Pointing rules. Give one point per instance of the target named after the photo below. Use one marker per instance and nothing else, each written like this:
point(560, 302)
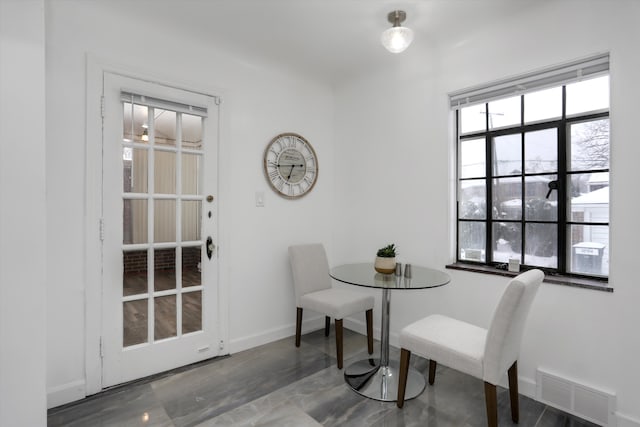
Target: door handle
point(210, 247)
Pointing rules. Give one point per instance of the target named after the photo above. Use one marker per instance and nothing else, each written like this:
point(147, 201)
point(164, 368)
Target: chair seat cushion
point(454, 343)
point(336, 303)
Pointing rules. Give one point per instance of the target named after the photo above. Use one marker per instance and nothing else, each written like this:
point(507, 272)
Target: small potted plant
point(386, 259)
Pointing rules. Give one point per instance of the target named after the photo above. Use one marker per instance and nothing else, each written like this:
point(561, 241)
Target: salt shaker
point(398, 269)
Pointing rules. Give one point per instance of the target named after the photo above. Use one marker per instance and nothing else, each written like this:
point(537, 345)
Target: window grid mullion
point(563, 230)
point(522, 231)
point(488, 147)
point(522, 194)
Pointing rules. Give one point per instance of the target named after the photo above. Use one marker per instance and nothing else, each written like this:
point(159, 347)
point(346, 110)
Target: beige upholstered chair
point(313, 291)
point(482, 353)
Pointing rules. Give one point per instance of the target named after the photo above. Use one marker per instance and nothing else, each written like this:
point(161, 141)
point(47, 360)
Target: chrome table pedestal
point(378, 378)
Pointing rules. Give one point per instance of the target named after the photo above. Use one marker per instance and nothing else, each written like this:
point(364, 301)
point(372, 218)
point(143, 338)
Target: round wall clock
point(290, 165)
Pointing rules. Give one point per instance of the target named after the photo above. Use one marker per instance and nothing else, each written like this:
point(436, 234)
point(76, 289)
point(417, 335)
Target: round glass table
point(378, 378)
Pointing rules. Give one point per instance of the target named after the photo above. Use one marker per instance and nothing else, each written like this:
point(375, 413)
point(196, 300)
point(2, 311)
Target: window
point(533, 174)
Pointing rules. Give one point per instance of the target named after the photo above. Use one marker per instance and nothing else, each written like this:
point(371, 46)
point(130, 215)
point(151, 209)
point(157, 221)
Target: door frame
point(95, 69)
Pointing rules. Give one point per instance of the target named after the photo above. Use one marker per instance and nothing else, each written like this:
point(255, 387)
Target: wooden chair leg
point(339, 342)
point(327, 325)
point(491, 399)
point(432, 371)
point(369, 315)
point(513, 392)
point(298, 325)
point(405, 356)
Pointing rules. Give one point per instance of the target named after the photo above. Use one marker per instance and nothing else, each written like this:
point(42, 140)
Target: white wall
point(396, 124)
point(22, 214)
point(259, 103)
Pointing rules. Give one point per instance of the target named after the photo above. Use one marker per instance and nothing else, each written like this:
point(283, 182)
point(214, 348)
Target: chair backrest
point(310, 269)
point(505, 332)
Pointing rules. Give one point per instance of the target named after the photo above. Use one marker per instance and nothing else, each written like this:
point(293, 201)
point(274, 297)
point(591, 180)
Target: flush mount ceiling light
point(397, 38)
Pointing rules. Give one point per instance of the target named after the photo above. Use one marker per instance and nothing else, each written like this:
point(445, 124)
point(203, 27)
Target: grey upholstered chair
point(482, 353)
point(313, 291)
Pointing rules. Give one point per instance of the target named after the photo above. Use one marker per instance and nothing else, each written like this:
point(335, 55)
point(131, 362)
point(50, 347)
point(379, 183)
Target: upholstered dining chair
point(313, 291)
point(482, 353)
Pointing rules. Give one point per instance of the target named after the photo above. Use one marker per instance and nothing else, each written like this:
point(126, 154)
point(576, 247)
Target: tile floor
point(280, 385)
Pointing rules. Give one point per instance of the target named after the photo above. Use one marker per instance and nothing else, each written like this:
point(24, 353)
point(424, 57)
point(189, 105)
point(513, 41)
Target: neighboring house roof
point(598, 178)
point(595, 197)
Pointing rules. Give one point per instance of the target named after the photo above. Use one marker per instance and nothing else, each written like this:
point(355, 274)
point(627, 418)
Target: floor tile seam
point(290, 400)
point(539, 420)
point(160, 403)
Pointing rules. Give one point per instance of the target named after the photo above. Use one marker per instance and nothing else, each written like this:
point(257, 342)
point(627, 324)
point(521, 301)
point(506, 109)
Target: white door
point(159, 210)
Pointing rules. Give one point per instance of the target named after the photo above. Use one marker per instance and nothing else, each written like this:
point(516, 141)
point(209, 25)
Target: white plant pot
point(385, 265)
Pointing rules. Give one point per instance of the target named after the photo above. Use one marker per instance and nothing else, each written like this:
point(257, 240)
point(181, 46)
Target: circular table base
point(368, 378)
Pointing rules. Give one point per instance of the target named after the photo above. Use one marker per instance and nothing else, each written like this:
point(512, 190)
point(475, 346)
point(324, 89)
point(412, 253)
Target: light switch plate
point(260, 199)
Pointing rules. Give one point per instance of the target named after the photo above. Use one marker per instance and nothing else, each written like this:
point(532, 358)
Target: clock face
point(290, 165)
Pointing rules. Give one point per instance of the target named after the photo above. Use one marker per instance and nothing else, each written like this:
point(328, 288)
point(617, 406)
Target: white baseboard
point(251, 341)
point(626, 421)
point(360, 327)
point(65, 393)
point(526, 387)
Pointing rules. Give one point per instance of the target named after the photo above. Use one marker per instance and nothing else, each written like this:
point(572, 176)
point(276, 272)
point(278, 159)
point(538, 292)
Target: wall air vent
point(591, 404)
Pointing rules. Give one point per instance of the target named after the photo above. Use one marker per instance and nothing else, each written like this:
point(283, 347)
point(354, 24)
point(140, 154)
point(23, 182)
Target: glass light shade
point(397, 39)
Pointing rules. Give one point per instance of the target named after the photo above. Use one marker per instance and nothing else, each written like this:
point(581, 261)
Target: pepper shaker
point(407, 271)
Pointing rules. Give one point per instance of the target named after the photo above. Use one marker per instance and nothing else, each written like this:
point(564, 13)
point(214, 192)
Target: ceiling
point(330, 40)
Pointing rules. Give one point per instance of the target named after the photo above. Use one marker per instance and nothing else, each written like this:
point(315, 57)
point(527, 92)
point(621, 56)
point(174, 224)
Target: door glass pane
point(473, 119)
point(191, 132)
point(541, 151)
point(164, 262)
point(165, 317)
point(589, 145)
point(543, 105)
point(135, 123)
point(507, 241)
point(540, 245)
point(589, 197)
point(134, 322)
point(589, 249)
point(191, 312)
point(472, 158)
point(504, 112)
point(191, 220)
point(471, 242)
point(134, 221)
point(588, 95)
point(473, 199)
point(507, 155)
point(164, 221)
point(191, 266)
point(135, 171)
point(507, 198)
point(134, 272)
point(191, 173)
point(539, 207)
point(165, 172)
point(164, 126)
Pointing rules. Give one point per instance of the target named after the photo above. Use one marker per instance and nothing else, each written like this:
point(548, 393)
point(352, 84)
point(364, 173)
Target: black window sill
point(556, 279)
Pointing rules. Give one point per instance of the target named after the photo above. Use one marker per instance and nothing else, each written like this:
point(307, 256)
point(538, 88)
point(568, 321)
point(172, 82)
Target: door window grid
point(174, 278)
